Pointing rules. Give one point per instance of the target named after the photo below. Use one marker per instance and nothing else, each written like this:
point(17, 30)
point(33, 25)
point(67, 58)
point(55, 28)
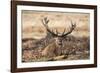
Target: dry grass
point(75, 49)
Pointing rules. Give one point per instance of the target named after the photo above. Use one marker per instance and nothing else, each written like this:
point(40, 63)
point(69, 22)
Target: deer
point(54, 48)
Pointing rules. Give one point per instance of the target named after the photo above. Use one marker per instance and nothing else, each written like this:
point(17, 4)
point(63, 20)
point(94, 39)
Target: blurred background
point(33, 27)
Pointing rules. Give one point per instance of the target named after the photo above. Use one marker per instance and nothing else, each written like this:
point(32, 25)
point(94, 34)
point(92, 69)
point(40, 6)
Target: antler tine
point(64, 31)
point(45, 22)
point(57, 32)
point(73, 25)
point(71, 29)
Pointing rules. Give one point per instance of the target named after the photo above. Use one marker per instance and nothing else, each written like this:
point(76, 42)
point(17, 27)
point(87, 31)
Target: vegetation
point(75, 48)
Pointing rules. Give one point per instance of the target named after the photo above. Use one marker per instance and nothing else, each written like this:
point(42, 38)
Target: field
point(74, 49)
point(35, 37)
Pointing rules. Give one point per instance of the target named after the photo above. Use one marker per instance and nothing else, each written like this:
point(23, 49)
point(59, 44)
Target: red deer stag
point(54, 49)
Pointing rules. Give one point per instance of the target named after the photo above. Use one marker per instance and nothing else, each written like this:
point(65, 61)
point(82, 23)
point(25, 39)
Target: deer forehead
point(58, 38)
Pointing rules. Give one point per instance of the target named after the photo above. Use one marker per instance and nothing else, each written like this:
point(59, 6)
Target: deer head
point(58, 37)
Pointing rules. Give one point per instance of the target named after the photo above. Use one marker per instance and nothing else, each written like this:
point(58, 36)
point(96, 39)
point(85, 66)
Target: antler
point(45, 23)
point(73, 25)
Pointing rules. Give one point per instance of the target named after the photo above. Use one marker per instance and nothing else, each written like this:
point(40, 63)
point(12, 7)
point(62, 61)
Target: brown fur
point(51, 50)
